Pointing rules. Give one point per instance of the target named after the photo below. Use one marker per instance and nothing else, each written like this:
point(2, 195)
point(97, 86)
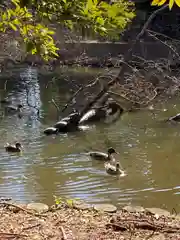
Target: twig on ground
point(122, 225)
point(153, 231)
point(30, 227)
point(64, 237)
point(22, 209)
point(13, 234)
point(132, 230)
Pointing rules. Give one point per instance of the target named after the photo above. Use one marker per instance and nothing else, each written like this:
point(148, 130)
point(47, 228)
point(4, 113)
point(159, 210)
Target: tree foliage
point(32, 18)
point(161, 2)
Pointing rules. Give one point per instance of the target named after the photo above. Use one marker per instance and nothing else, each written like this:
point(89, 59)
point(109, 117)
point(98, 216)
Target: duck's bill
point(117, 152)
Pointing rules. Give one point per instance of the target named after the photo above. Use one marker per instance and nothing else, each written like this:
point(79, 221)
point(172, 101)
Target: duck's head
point(111, 151)
point(74, 118)
point(114, 106)
point(20, 106)
point(18, 145)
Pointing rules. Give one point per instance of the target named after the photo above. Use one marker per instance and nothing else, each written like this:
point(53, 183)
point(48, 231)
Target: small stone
point(38, 207)
point(36, 237)
point(158, 237)
point(158, 211)
point(177, 216)
point(133, 209)
point(105, 208)
point(81, 205)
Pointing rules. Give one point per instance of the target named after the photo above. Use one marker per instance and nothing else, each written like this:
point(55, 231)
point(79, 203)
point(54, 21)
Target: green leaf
point(4, 16)
point(13, 26)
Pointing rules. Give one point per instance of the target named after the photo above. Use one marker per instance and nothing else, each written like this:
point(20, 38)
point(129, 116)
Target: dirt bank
point(18, 222)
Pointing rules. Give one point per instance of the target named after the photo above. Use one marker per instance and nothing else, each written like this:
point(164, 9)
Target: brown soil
point(68, 224)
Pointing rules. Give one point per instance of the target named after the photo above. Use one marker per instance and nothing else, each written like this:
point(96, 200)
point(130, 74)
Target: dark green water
point(55, 165)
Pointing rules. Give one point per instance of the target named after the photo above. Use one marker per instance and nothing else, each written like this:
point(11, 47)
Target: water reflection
point(56, 165)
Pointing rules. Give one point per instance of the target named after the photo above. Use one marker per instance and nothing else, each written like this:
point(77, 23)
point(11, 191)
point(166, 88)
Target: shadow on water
point(56, 165)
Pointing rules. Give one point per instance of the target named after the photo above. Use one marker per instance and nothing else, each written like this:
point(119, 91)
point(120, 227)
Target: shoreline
point(78, 220)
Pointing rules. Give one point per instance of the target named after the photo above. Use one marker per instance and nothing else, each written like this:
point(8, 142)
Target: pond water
point(56, 165)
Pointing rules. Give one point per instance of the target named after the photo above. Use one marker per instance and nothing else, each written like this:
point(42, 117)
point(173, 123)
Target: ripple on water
point(54, 164)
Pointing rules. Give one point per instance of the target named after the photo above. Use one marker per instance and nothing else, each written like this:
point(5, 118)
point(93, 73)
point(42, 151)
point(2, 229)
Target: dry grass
point(68, 223)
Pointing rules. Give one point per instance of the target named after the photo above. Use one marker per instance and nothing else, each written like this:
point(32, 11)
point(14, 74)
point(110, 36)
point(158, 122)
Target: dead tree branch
point(165, 44)
point(6, 204)
point(130, 51)
point(120, 76)
point(55, 104)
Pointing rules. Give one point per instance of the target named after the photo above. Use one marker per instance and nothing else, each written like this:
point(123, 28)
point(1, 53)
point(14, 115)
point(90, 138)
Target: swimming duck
point(13, 148)
point(114, 169)
point(92, 115)
point(113, 112)
point(109, 113)
point(14, 109)
point(72, 117)
point(61, 126)
point(50, 130)
point(5, 101)
point(103, 156)
point(175, 118)
point(71, 123)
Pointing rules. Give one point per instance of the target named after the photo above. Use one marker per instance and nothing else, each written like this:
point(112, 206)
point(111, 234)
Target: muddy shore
point(81, 221)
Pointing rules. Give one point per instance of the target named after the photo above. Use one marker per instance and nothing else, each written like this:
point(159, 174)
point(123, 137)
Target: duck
point(114, 169)
point(73, 117)
point(5, 101)
point(68, 124)
point(51, 130)
point(14, 109)
point(175, 118)
point(62, 126)
point(13, 148)
point(113, 111)
point(108, 113)
point(103, 156)
point(92, 115)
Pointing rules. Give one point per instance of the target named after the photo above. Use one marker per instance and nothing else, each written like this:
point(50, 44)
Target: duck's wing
point(7, 145)
point(109, 167)
point(112, 117)
point(10, 148)
point(98, 155)
point(175, 118)
point(88, 115)
point(11, 107)
point(60, 124)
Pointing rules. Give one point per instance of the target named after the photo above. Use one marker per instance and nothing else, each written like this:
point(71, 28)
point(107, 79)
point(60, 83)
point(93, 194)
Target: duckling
point(13, 148)
point(103, 156)
point(14, 109)
point(114, 170)
point(51, 130)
